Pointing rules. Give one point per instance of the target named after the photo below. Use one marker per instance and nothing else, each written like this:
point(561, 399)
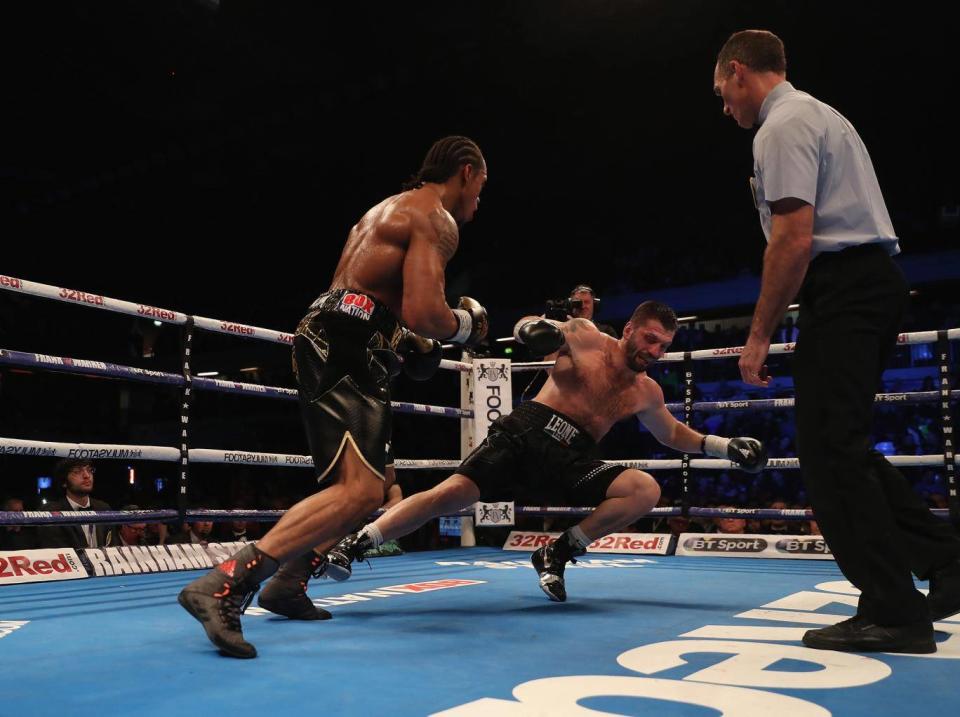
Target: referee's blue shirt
point(807, 150)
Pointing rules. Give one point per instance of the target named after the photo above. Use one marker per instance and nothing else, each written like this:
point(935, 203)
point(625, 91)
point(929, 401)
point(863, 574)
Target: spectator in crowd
point(17, 537)
point(237, 531)
point(76, 477)
point(779, 526)
point(198, 532)
point(730, 525)
point(128, 533)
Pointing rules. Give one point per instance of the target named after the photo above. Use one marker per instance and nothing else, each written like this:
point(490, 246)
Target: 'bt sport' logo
point(710, 544)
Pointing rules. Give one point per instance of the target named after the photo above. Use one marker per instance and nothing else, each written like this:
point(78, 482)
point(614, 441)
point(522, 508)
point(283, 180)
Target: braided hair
point(444, 159)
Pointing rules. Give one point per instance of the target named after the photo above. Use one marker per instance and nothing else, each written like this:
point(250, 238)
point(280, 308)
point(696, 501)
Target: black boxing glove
point(541, 336)
point(389, 360)
point(749, 453)
point(421, 356)
point(472, 322)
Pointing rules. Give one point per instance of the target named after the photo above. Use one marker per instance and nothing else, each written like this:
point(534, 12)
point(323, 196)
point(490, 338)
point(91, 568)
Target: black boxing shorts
point(343, 358)
point(539, 449)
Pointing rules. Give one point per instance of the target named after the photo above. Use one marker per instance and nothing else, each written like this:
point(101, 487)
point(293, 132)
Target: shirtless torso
point(593, 380)
point(397, 253)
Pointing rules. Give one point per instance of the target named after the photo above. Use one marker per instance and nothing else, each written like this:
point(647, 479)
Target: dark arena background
point(178, 168)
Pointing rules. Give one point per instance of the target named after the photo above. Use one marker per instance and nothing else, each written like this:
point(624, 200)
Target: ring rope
point(905, 339)
point(107, 451)
point(768, 403)
point(40, 517)
point(72, 296)
point(100, 368)
point(168, 316)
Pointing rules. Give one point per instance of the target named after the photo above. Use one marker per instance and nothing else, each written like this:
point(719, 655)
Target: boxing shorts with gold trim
point(344, 357)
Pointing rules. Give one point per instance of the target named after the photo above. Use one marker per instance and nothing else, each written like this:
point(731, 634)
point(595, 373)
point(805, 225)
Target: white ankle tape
point(373, 534)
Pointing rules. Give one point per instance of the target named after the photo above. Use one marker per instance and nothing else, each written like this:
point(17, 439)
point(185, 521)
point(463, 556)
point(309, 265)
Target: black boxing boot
point(345, 552)
point(550, 561)
point(286, 593)
point(218, 598)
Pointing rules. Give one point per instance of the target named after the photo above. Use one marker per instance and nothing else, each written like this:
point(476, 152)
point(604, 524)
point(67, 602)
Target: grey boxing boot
point(286, 593)
point(218, 598)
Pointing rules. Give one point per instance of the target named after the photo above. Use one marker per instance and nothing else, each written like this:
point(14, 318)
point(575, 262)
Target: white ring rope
point(96, 301)
point(72, 296)
point(456, 365)
point(906, 339)
point(110, 451)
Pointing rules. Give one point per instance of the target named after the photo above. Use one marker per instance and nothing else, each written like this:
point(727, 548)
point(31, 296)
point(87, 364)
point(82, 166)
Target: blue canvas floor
point(122, 645)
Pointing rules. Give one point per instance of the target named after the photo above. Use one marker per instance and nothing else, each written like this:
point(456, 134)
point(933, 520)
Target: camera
point(560, 309)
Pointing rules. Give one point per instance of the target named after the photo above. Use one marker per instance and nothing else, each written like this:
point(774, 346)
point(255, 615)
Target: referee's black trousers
point(851, 307)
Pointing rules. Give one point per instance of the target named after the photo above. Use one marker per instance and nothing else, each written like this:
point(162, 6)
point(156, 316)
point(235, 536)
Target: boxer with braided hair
point(388, 284)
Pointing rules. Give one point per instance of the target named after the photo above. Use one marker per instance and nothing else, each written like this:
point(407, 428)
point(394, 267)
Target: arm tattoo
point(447, 236)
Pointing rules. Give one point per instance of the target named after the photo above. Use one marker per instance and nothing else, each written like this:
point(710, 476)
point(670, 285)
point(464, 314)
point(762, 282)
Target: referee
point(830, 239)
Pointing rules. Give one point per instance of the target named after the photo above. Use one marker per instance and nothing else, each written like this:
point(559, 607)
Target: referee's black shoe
point(944, 597)
point(860, 634)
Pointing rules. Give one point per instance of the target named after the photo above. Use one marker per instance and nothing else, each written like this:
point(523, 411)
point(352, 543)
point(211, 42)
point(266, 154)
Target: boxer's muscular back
point(374, 256)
